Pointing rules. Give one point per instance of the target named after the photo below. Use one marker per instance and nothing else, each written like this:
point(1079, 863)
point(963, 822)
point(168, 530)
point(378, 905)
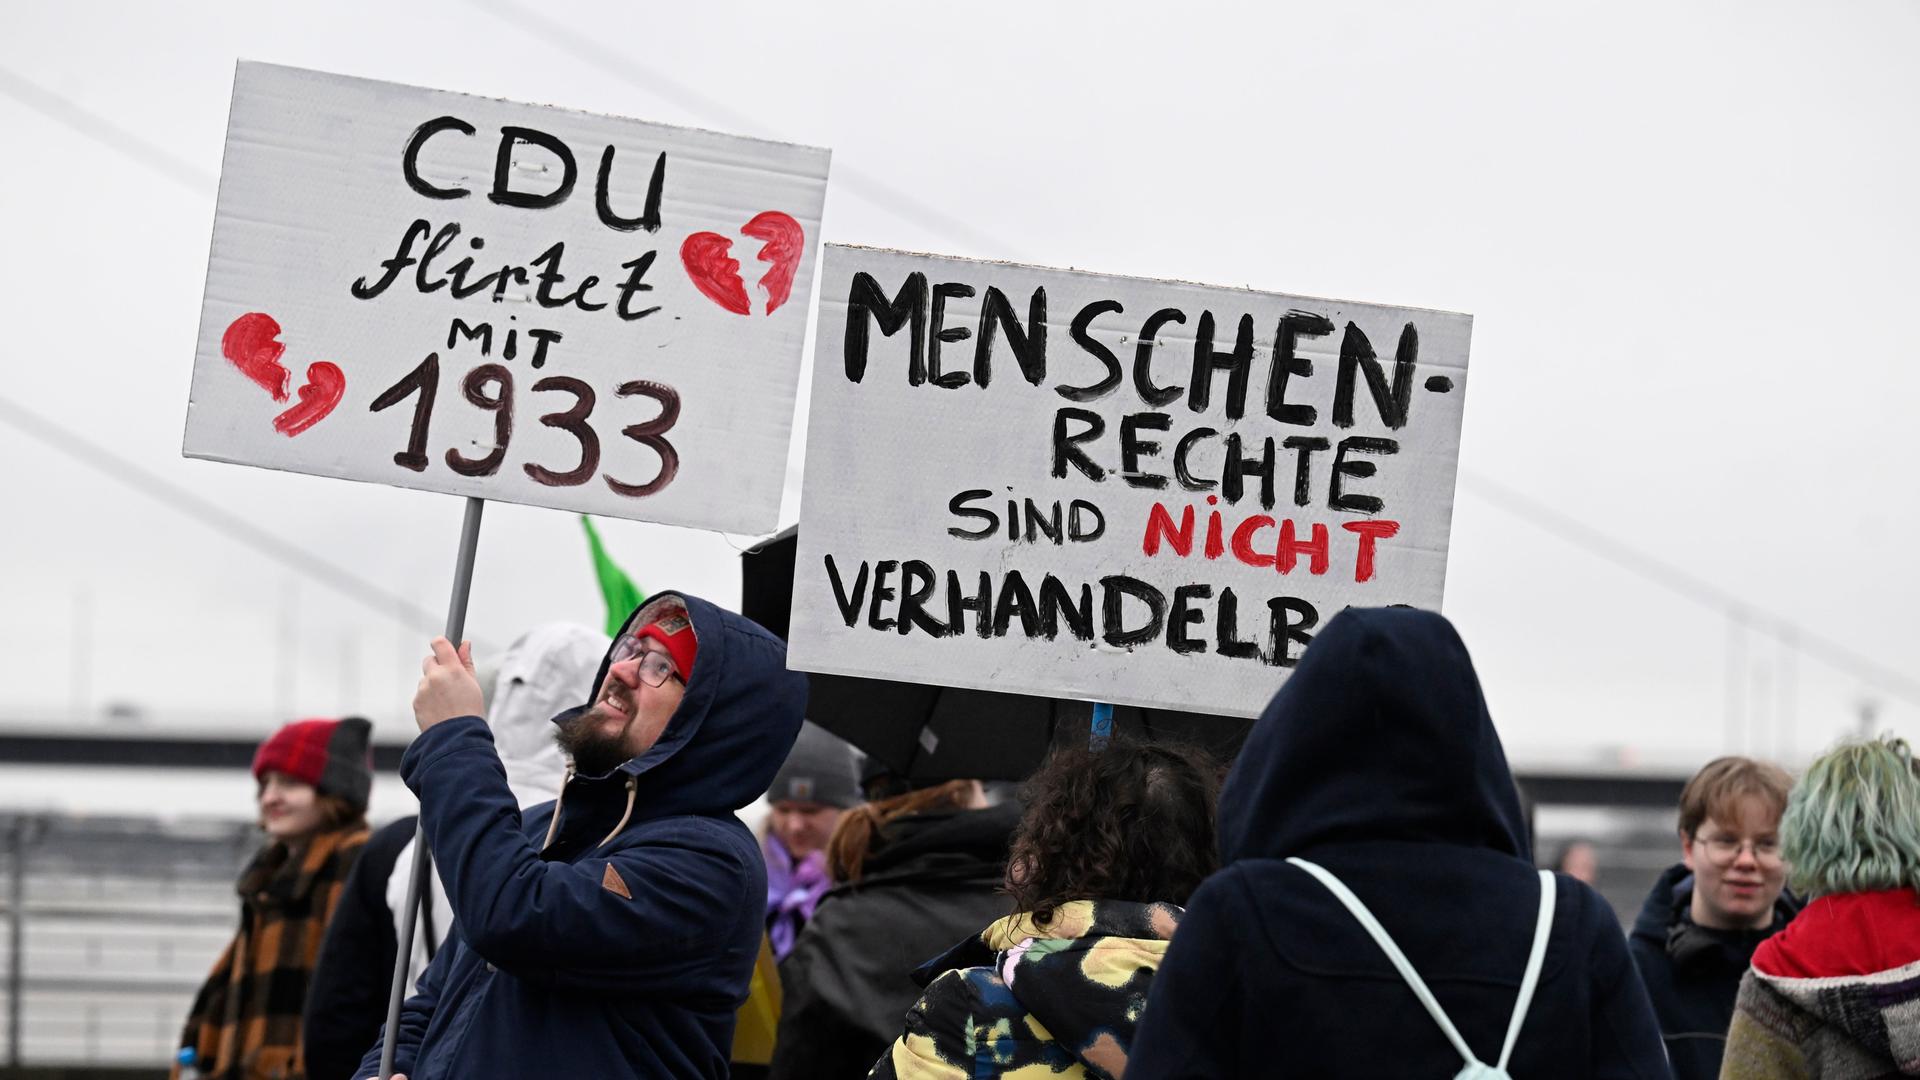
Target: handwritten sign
point(1140, 492)
point(525, 303)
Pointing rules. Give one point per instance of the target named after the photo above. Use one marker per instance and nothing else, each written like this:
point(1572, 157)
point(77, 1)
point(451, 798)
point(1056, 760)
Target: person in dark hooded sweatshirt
point(1377, 764)
point(611, 932)
point(1705, 916)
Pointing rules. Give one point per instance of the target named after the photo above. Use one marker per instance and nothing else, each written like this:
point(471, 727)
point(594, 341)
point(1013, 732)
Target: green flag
point(619, 591)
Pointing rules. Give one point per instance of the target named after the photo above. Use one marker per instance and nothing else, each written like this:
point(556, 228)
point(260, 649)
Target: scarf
point(794, 889)
point(245, 1021)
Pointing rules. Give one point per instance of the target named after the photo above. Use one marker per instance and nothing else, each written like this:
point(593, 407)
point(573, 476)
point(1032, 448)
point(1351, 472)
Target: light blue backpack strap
point(1418, 985)
point(1542, 928)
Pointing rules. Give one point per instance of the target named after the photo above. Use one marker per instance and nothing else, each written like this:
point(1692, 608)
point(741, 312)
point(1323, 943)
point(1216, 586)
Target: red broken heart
point(251, 342)
point(714, 271)
point(326, 385)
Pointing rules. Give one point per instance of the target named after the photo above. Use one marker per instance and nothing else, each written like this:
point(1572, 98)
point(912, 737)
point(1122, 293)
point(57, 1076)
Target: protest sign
point(502, 300)
point(1140, 492)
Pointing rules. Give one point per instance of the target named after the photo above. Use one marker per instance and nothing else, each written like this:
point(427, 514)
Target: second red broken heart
point(707, 257)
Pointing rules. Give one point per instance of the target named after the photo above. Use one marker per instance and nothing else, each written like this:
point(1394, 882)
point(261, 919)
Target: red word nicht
point(1250, 542)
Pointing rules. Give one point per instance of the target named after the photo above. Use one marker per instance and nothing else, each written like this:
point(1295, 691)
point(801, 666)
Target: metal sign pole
point(422, 859)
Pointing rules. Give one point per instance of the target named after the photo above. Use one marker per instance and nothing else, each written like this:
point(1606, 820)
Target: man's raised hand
point(448, 687)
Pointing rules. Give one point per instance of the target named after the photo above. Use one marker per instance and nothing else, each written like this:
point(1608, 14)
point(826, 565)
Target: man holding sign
point(514, 302)
point(612, 932)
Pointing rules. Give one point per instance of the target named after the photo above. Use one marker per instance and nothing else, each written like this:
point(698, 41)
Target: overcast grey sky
point(1685, 233)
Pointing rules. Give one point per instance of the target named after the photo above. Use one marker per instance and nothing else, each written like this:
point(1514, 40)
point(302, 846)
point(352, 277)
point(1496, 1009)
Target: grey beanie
point(819, 770)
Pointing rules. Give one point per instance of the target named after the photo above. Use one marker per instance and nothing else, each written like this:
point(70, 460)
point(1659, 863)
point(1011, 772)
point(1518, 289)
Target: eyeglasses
point(1725, 851)
point(656, 667)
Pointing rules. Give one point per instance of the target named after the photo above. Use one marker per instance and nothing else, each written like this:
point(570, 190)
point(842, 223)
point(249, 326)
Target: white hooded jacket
point(548, 671)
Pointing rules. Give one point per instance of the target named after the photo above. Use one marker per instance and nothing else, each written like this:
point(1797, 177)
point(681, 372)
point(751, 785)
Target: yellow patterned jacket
point(1029, 999)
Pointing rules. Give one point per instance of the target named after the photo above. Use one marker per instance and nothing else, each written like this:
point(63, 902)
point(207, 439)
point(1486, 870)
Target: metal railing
point(110, 927)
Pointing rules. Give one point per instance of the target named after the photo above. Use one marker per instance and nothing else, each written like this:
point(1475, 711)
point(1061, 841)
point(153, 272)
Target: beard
point(594, 752)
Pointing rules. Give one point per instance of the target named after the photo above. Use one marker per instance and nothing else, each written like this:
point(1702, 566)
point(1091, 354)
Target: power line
point(877, 191)
point(1694, 588)
point(151, 484)
point(880, 192)
point(117, 139)
point(112, 136)
point(850, 179)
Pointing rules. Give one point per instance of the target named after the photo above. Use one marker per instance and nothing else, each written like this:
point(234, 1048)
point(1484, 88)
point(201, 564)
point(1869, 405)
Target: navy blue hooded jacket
point(597, 954)
point(1378, 761)
point(1692, 973)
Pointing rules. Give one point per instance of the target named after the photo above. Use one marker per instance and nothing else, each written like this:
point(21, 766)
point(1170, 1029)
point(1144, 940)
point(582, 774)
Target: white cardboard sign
point(525, 303)
point(1140, 492)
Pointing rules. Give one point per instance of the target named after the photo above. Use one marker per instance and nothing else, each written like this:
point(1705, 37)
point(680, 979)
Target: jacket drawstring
point(553, 826)
point(632, 786)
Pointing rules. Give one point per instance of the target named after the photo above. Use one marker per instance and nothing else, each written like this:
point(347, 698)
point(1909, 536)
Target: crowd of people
point(1356, 895)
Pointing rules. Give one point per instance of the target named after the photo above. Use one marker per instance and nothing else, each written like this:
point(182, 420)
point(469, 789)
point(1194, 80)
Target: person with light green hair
point(1836, 995)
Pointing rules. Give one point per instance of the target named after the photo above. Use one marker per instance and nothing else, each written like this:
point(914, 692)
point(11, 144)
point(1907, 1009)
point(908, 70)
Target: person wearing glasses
point(613, 931)
point(545, 670)
point(1700, 924)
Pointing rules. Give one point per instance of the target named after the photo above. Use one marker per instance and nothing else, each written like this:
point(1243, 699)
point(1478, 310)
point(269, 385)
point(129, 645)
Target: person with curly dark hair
point(1113, 841)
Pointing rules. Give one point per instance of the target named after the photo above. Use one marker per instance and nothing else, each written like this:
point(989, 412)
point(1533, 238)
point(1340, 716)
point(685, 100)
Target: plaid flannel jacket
point(245, 1022)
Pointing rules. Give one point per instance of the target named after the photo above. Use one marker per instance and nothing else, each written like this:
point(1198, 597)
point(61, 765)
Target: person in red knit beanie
point(614, 930)
point(314, 777)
